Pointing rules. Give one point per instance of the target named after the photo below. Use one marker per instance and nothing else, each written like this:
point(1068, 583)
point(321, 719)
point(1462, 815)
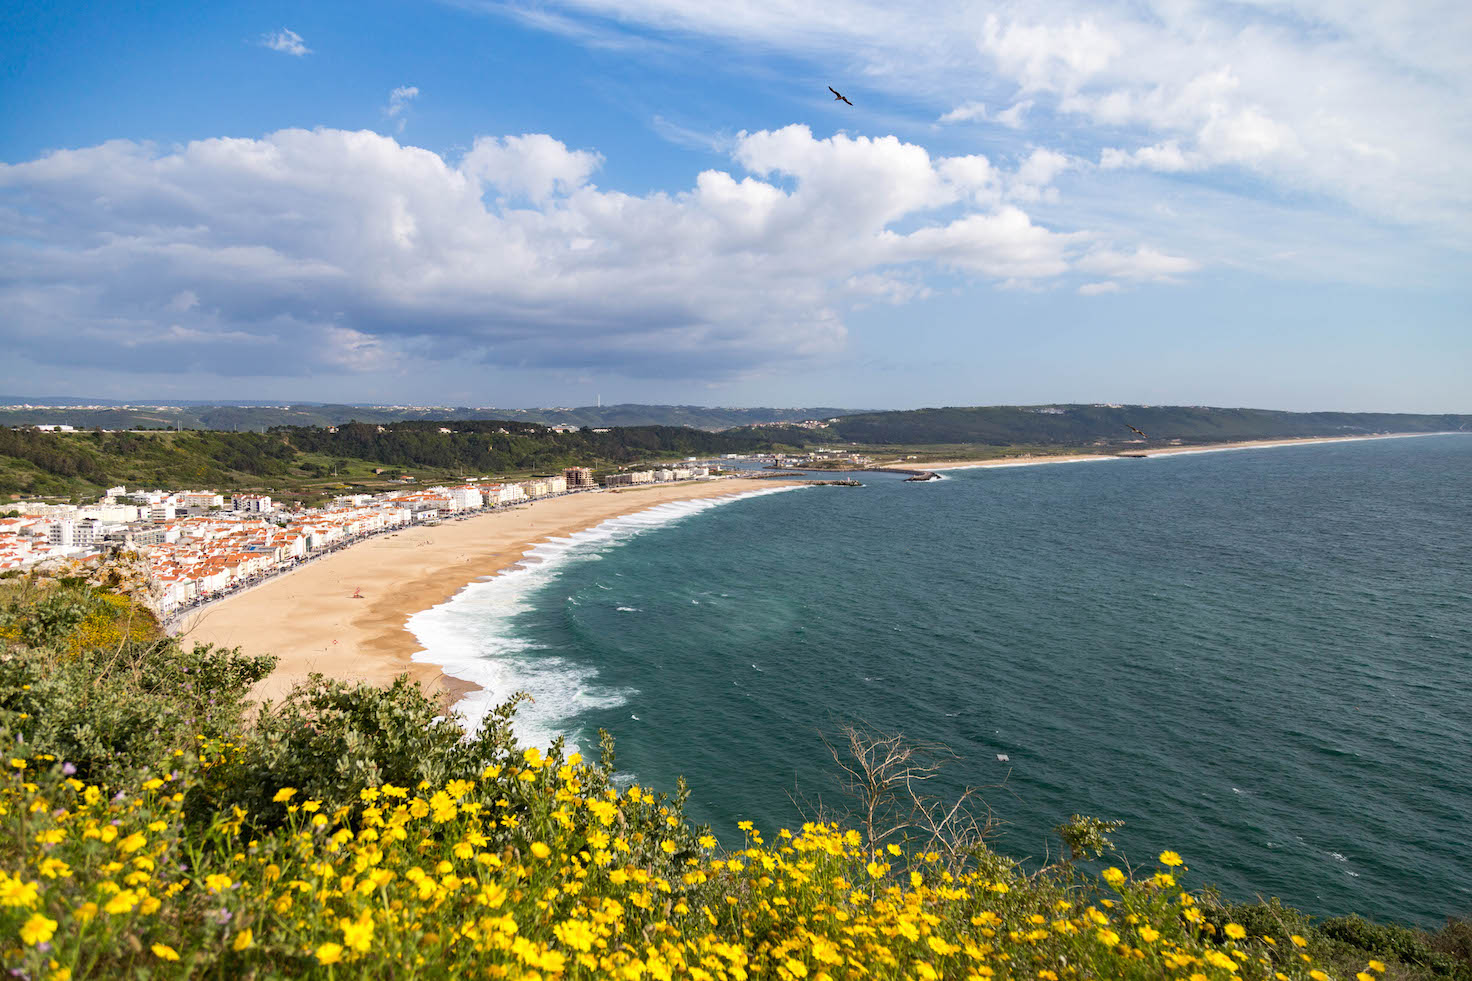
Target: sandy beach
point(310, 620)
point(1145, 449)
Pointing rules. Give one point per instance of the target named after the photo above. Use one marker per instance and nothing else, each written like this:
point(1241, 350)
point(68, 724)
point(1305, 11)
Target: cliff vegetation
point(151, 826)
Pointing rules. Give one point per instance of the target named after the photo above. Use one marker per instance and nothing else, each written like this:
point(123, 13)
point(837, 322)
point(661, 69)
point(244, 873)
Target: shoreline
point(309, 620)
point(1148, 452)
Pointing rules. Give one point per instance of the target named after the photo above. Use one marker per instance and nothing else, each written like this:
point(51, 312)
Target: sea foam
point(472, 636)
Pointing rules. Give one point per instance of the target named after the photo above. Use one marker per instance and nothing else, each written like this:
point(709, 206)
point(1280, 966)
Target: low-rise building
point(466, 497)
point(200, 499)
point(253, 503)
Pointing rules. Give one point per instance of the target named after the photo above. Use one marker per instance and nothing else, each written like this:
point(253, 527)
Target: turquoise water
point(1256, 658)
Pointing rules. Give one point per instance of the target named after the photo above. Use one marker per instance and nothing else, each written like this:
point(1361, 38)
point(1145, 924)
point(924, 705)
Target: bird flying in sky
point(1137, 431)
point(837, 95)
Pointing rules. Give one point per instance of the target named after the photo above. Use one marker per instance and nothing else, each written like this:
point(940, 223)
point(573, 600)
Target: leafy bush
point(86, 676)
point(330, 739)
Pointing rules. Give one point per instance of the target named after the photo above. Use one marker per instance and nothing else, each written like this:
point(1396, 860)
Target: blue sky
point(657, 200)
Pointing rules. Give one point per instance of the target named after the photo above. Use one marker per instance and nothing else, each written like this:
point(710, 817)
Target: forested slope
point(293, 457)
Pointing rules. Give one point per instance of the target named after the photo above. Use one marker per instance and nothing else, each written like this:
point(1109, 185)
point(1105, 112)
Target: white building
point(254, 503)
point(466, 497)
point(504, 493)
point(113, 513)
point(199, 499)
point(629, 478)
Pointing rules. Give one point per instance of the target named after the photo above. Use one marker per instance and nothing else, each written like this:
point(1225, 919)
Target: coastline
point(309, 620)
point(1154, 451)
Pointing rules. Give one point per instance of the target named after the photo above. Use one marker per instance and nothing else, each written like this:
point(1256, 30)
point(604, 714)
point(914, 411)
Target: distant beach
point(1145, 449)
point(310, 619)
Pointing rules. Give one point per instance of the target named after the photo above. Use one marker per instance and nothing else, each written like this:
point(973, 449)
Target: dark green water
point(1257, 658)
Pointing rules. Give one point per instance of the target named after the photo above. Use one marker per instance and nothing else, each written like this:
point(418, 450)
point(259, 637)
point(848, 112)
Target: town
point(200, 545)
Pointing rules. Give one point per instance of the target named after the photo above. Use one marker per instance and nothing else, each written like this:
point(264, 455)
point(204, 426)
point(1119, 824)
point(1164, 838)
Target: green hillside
point(300, 462)
point(262, 417)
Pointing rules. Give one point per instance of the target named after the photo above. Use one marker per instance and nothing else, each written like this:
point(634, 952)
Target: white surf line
point(469, 635)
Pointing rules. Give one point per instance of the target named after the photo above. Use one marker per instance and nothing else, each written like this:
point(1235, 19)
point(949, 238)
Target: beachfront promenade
point(251, 580)
point(168, 573)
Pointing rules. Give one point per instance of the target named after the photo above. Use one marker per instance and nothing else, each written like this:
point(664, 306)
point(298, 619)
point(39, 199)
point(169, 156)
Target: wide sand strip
point(309, 619)
point(1143, 447)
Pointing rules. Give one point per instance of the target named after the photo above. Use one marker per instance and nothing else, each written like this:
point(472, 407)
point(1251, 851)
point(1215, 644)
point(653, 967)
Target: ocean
point(1256, 657)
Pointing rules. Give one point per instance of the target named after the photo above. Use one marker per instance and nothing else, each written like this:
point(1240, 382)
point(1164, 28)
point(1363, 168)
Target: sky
point(1252, 203)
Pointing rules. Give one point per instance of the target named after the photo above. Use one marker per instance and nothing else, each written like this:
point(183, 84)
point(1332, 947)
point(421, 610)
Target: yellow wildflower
point(358, 935)
point(165, 951)
point(38, 929)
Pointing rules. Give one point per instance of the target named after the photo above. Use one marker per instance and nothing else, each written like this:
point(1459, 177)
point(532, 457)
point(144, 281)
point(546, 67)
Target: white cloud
point(1013, 115)
point(1038, 171)
point(1049, 57)
point(1362, 103)
point(1143, 264)
point(398, 103)
point(286, 41)
point(328, 250)
point(1098, 289)
point(1165, 157)
point(399, 99)
point(534, 166)
point(965, 113)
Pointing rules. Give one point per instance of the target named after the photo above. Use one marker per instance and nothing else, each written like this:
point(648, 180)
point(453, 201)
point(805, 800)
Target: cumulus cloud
point(286, 41)
point(534, 166)
point(334, 251)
